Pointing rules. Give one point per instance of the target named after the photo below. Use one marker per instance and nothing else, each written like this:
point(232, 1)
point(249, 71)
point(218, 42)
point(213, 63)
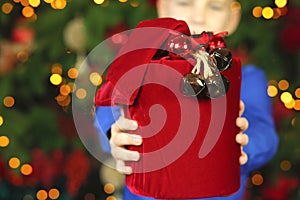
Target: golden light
point(48, 1)
point(277, 13)
point(59, 4)
point(111, 198)
point(9, 101)
point(56, 69)
point(22, 56)
point(285, 165)
point(283, 85)
point(73, 73)
point(257, 11)
point(4, 141)
point(26, 169)
point(56, 79)
point(109, 188)
point(99, 1)
point(297, 104)
point(1, 120)
point(293, 122)
point(17, 1)
point(290, 105)
point(53, 193)
point(42, 195)
point(297, 93)
point(280, 3)
point(81, 93)
point(28, 11)
point(95, 78)
point(286, 97)
point(24, 2)
point(63, 100)
point(14, 162)
point(267, 12)
point(272, 91)
point(123, 1)
point(65, 90)
point(34, 3)
point(7, 8)
point(134, 3)
point(257, 179)
point(284, 11)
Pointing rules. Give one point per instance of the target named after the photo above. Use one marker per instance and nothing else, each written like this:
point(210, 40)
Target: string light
point(65, 90)
point(14, 162)
point(9, 101)
point(257, 179)
point(73, 73)
point(285, 165)
point(56, 79)
point(42, 195)
point(109, 188)
point(81, 93)
point(1, 120)
point(4, 141)
point(34, 3)
point(297, 105)
point(26, 169)
point(286, 97)
point(257, 11)
point(267, 12)
point(272, 91)
point(297, 93)
point(280, 3)
point(95, 78)
point(53, 193)
point(283, 85)
point(7, 8)
point(24, 2)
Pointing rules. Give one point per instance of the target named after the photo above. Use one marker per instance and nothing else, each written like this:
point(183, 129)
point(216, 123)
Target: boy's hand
point(120, 137)
point(241, 137)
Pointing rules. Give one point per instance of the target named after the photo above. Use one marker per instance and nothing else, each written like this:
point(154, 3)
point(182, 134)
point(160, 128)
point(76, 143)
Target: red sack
point(189, 148)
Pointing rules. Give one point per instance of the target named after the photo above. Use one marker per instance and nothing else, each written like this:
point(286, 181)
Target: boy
point(216, 16)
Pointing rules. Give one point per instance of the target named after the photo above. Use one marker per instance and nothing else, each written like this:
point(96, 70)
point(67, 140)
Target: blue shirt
point(263, 140)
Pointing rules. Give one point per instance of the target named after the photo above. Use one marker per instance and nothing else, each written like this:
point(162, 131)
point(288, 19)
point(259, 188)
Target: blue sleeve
point(263, 139)
point(105, 116)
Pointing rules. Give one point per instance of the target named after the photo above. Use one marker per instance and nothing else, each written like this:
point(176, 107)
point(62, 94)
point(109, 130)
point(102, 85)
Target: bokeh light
point(55, 79)
point(53, 193)
point(28, 197)
point(272, 91)
point(277, 13)
point(109, 188)
point(4, 141)
point(283, 85)
point(26, 169)
point(65, 90)
point(56, 69)
point(81, 93)
point(34, 3)
point(99, 1)
point(280, 3)
point(134, 3)
point(284, 11)
point(89, 196)
point(297, 93)
point(7, 8)
point(63, 100)
point(257, 179)
point(95, 78)
point(111, 198)
point(267, 12)
point(286, 97)
point(1, 120)
point(22, 56)
point(59, 4)
point(257, 11)
point(73, 73)
point(285, 165)
point(42, 195)
point(9, 101)
point(28, 11)
point(297, 105)
point(24, 2)
point(14, 162)
point(48, 1)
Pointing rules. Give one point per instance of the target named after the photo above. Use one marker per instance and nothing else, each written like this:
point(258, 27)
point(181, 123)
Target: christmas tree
point(42, 43)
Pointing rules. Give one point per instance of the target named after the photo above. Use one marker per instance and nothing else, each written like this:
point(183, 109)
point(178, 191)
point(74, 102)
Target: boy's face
point(201, 15)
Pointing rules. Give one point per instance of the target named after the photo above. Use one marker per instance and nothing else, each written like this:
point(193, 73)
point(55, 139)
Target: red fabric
point(189, 148)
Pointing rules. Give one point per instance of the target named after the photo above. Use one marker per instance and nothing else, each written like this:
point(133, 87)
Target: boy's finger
point(124, 124)
point(242, 123)
point(242, 108)
point(122, 168)
point(120, 153)
point(122, 139)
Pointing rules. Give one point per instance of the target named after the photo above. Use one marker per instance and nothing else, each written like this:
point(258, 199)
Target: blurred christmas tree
point(41, 46)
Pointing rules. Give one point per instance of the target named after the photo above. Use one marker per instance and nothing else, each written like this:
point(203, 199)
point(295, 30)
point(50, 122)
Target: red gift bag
point(189, 148)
